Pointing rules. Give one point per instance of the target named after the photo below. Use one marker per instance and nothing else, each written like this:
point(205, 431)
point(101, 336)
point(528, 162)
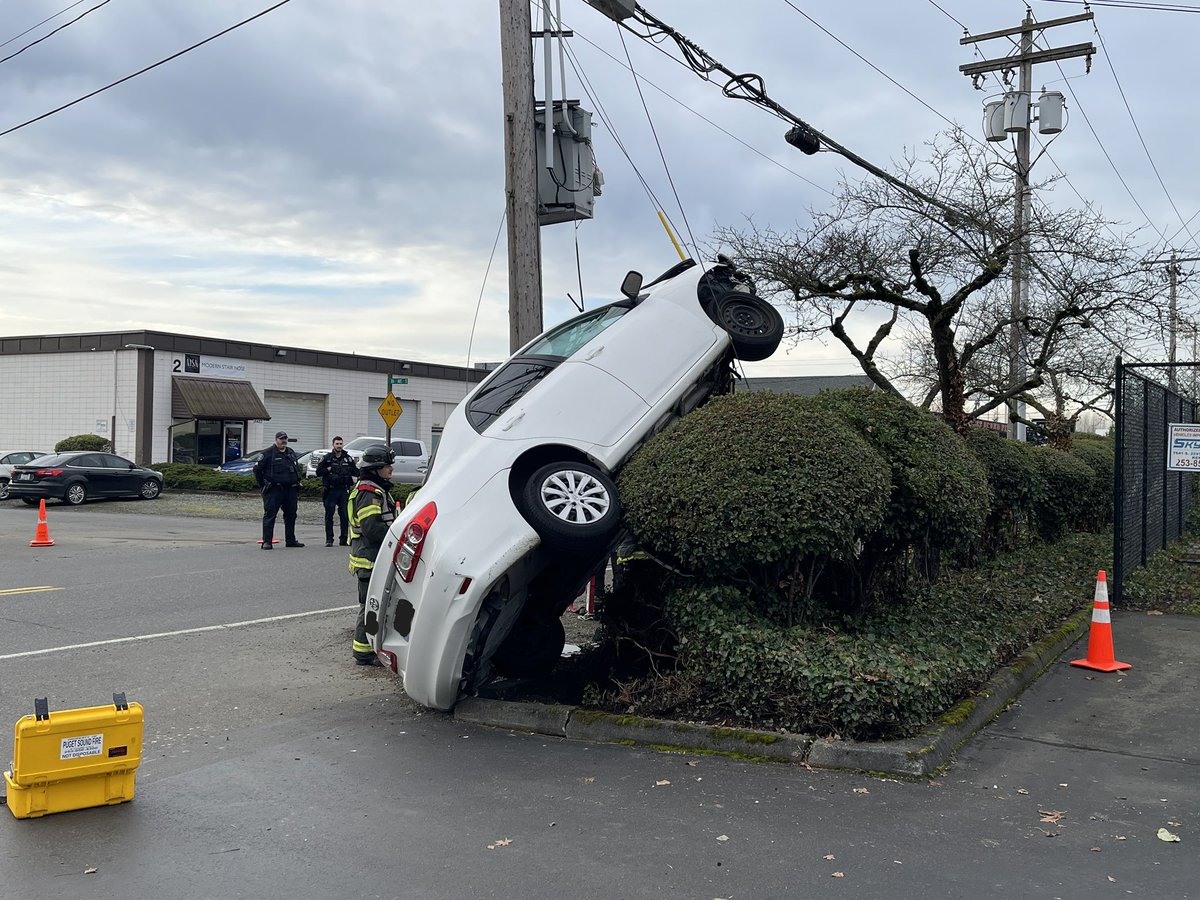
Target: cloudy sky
point(331, 174)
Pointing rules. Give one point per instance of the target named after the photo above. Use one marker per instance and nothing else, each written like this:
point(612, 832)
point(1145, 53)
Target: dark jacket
point(337, 472)
point(277, 468)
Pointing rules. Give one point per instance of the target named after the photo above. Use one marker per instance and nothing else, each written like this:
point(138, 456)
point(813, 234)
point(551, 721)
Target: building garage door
point(302, 416)
point(406, 425)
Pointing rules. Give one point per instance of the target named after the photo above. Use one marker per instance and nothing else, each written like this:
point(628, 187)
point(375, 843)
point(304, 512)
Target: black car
point(75, 477)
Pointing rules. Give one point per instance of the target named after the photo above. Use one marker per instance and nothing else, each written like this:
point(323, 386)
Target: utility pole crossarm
point(1017, 29)
point(1037, 56)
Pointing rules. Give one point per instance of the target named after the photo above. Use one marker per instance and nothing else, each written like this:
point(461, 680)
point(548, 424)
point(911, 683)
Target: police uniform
point(372, 511)
point(279, 479)
point(337, 473)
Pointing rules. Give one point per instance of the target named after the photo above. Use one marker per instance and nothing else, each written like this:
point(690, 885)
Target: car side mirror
point(631, 286)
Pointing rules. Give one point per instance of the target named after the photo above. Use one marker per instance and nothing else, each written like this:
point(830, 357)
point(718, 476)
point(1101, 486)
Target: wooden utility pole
point(1173, 273)
point(1024, 60)
point(520, 175)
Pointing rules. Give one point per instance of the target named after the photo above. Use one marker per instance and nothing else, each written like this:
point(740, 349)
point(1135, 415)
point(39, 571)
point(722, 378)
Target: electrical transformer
point(568, 184)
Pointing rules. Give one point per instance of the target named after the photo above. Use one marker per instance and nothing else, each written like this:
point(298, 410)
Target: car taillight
point(48, 473)
point(388, 657)
point(408, 549)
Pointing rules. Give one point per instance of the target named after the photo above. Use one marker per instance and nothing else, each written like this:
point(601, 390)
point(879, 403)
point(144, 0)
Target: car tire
point(571, 505)
point(150, 489)
point(531, 653)
point(29, 501)
point(3, 488)
point(755, 327)
point(75, 494)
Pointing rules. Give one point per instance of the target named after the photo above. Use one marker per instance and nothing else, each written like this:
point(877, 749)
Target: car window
point(18, 458)
point(570, 336)
point(113, 462)
point(504, 388)
point(53, 459)
point(406, 448)
point(86, 460)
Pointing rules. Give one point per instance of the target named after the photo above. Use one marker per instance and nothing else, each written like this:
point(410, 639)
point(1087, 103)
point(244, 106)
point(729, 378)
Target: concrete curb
point(916, 757)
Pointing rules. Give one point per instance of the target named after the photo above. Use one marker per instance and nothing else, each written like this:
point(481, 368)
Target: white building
point(180, 398)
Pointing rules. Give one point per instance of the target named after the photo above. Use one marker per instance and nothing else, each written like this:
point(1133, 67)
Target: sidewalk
point(1150, 711)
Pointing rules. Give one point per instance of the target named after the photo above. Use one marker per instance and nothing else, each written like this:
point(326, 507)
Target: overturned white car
point(519, 507)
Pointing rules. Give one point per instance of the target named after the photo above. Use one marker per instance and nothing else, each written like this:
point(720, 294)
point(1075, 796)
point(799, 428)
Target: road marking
point(165, 634)
point(28, 590)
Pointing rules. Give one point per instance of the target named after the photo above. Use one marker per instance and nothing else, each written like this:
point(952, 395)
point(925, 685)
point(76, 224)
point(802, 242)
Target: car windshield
point(362, 443)
point(570, 336)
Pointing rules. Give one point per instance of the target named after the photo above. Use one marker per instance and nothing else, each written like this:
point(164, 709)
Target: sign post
point(390, 410)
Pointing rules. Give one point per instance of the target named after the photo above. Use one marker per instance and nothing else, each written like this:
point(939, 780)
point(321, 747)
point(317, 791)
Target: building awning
point(215, 398)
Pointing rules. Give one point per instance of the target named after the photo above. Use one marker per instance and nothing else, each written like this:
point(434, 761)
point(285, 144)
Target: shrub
point(1062, 491)
point(188, 477)
point(1012, 480)
point(1098, 453)
point(757, 489)
point(84, 442)
point(939, 494)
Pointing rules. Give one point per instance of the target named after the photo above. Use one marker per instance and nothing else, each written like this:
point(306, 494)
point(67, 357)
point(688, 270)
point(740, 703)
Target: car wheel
point(151, 488)
point(4, 489)
point(29, 501)
point(533, 651)
point(572, 506)
point(754, 325)
point(76, 494)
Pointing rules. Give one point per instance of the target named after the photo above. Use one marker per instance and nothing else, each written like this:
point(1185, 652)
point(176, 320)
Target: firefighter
point(372, 511)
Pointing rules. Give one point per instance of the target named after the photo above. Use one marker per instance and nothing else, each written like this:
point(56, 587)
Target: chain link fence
point(1151, 503)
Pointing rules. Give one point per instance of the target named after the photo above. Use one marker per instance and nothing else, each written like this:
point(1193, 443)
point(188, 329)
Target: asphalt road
point(275, 768)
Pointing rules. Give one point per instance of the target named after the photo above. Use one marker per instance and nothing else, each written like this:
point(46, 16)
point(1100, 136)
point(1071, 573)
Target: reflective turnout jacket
point(372, 511)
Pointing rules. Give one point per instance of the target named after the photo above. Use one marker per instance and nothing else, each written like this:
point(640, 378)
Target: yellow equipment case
point(74, 759)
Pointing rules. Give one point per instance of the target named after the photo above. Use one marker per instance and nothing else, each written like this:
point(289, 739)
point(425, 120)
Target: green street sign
point(393, 379)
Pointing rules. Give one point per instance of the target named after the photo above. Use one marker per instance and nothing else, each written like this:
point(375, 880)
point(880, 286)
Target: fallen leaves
point(861, 791)
point(1164, 835)
point(661, 783)
point(722, 837)
point(839, 874)
point(1022, 791)
point(828, 856)
point(91, 870)
point(1053, 816)
point(502, 842)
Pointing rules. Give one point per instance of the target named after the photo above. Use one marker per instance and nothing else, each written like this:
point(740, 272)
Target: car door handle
point(513, 421)
point(595, 353)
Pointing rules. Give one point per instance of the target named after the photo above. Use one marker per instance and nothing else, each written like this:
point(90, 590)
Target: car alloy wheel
point(755, 327)
point(150, 489)
point(4, 489)
point(76, 494)
point(571, 505)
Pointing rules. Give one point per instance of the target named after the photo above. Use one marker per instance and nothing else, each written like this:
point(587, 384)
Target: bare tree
point(882, 269)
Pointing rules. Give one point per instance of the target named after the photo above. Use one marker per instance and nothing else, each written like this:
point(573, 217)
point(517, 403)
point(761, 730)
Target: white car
point(10, 458)
point(519, 506)
point(412, 459)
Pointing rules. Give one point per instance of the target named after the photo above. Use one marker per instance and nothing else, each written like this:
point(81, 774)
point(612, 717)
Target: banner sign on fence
point(1183, 447)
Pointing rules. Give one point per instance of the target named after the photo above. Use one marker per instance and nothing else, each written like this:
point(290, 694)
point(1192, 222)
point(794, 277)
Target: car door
point(410, 464)
point(122, 475)
point(94, 473)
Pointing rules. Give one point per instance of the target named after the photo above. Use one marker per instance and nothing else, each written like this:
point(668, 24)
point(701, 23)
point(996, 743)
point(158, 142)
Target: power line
point(55, 31)
point(1133, 4)
point(41, 23)
point(88, 96)
point(1138, 130)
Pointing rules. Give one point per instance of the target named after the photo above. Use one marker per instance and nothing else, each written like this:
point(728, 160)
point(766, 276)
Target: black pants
point(335, 498)
point(274, 499)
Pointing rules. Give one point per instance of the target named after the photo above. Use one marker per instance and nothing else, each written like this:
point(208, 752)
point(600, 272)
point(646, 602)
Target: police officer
point(278, 478)
point(337, 473)
point(372, 511)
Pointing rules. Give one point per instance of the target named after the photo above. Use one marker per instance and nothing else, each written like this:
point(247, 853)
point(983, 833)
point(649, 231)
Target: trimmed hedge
point(188, 477)
point(84, 442)
point(1099, 454)
point(769, 511)
point(1063, 494)
point(1011, 478)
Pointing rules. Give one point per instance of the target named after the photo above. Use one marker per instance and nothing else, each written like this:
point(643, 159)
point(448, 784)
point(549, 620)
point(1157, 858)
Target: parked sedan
point(519, 506)
point(76, 477)
point(244, 465)
point(10, 458)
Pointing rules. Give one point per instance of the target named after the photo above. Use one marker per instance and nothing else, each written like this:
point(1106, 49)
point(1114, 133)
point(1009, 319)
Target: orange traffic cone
point(41, 537)
point(1100, 643)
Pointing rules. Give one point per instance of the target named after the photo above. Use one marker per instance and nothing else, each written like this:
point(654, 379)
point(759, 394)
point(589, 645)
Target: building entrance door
point(234, 434)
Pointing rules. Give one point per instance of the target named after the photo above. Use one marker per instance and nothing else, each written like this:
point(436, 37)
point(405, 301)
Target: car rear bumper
point(35, 491)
